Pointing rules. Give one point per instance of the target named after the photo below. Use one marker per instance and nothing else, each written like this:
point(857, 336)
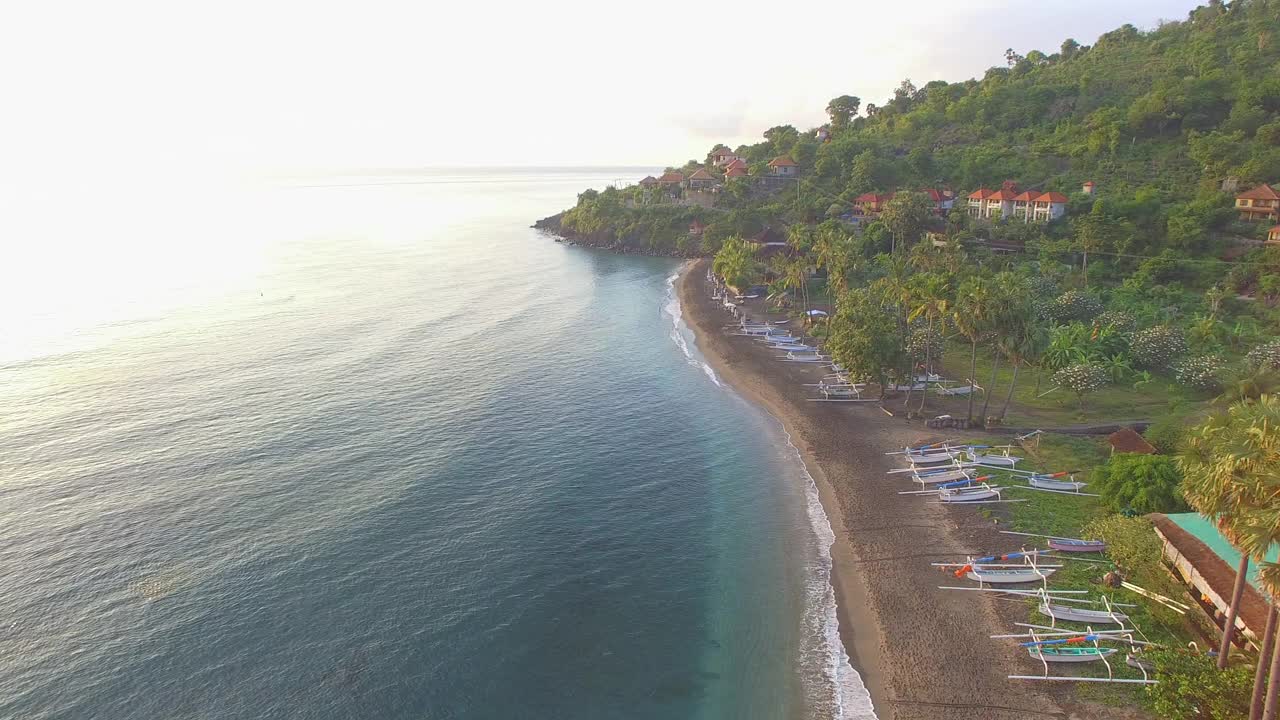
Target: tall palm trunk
point(1260, 675)
point(986, 395)
point(1273, 686)
point(973, 370)
point(1009, 396)
point(928, 366)
point(1242, 575)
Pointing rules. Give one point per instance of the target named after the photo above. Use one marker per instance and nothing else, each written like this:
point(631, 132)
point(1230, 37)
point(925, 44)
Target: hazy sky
point(133, 88)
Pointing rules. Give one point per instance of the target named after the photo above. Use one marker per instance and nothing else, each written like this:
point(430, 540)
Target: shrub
point(1157, 348)
point(1201, 373)
point(1143, 483)
point(1081, 379)
point(1072, 306)
point(1122, 321)
point(1191, 687)
point(1266, 355)
point(1166, 434)
point(1135, 548)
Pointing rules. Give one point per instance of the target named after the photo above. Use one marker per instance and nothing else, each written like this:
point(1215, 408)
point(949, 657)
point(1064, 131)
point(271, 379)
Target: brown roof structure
point(736, 162)
point(1262, 192)
point(701, 174)
point(980, 194)
point(734, 171)
point(1215, 572)
point(782, 161)
point(671, 177)
point(1126, 440)
point(1052, 197)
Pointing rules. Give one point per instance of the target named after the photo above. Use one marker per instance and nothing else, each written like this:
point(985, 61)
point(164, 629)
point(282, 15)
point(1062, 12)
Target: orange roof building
point(735, 171)
point(1260, 203)
point(671, 178)
point(1273, 235)
point(737, 162)
point(782, 166)
point(1010, 203)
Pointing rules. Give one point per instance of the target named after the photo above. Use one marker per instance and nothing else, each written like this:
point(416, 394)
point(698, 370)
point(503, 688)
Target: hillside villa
point(1008, 202)
point(1273, 235)
point(1260, 203)
point(873, 203)
point(783, 166)
point(734, 172)
point(700, 179)
point(723, 157)
point(671, 178)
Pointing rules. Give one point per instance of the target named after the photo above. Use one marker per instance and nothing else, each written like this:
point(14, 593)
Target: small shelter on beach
point(1203, 559)
point(1127, 440)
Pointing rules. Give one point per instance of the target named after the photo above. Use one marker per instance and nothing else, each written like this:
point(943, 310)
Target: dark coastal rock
point(603, 239)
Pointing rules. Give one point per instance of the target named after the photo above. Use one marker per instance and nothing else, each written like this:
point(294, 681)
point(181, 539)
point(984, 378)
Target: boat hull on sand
point(1070, 655)
point(1070, 614)
point(1077, 545)
point(1012, 576)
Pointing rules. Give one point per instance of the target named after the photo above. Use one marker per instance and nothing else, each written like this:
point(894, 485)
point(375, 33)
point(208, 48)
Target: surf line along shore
point(923, 653)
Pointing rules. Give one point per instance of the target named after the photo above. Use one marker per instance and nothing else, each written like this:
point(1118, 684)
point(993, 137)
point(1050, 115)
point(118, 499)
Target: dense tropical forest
point(1144, 297)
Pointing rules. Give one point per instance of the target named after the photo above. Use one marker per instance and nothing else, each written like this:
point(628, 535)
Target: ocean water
point(370, 447)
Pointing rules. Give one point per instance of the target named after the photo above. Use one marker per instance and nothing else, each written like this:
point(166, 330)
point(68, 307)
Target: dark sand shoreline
point(923, 653)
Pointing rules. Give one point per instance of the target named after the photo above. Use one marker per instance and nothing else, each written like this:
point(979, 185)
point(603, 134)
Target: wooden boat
point(940, 476)
point(1071, 614)
point(969, 494)
point(1066, 545)
point(1045, 483)
point(1013, 576)
point(994, 460)
point(1070, 654)
point(933, 457)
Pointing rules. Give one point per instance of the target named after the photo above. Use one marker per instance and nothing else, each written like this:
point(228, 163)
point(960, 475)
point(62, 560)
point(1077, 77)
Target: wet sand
point(923, 653)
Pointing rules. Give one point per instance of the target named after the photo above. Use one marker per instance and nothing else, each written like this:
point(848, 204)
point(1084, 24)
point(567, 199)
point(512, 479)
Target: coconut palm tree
point(930, 300)
point(1230, 465)
point(971, 316)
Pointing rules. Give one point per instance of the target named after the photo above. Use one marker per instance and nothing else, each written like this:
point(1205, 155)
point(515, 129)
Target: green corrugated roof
point(1207, 533)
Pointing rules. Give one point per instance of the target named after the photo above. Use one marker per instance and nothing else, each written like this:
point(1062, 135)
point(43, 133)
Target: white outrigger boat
point(1048, 482)
point(1005, 460)
point(1082, 615)
point(969, 493)
point(987, 575)
point(941, 476)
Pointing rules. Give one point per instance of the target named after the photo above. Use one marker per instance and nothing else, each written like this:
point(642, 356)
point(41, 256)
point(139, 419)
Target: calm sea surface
point(382, 451)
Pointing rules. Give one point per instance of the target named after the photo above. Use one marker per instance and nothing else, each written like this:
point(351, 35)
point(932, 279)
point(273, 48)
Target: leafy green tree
point(907, 215)
point(930, 299)
point(1144, 483)
point(842, 109)
point(736, 262)
point(971, 315)
point(866, 337)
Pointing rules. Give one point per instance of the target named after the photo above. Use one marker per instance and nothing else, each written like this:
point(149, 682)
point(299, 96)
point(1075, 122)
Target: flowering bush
point(1266, 355)
point(922, 340)
point(1157, 347)
point(1073, 305)
point(1122, 321)
point(1201, 373)
point(1081, 379)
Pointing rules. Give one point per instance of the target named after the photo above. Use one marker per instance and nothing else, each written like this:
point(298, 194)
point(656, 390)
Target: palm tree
point(1227, 463)
point(970, 315)
point(896, 291)
point(1023, 346)
point(929, 300)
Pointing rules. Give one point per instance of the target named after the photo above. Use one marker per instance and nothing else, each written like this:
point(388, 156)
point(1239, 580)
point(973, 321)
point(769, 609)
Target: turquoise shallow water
point(412, 461)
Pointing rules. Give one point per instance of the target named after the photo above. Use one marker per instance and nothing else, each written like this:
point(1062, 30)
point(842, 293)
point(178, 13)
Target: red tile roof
point(1027, 196)
point(1001, 195)
point(1262, 192)
point(736, 162)
point(1089, 183)
point(701, 174)
point(671, 177)
point(1052, 197)
point(782, 161)
point(735, 171)
point(1127, 440)
point(980, 194)
point(933, 194)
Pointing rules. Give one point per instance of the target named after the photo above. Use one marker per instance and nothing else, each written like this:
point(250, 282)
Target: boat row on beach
point(953, 473)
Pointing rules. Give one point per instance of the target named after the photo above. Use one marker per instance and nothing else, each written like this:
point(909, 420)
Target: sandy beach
point(922, 652)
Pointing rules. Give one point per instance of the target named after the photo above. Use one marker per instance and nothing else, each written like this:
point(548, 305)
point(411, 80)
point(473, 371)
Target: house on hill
point(783, 166)
point(1260, 203)
point(1009, 203)
point(735, 172)
point(1088, 187)
point(649, 181)
point(671, 178)
point(700, 179)
point(1273, 235)
point(736, 163)
point(871, 203)
point(942, 200)
point(723, 157)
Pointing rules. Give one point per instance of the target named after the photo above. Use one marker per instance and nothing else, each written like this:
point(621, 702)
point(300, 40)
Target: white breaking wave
point(842, 690)
point(678, 329)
